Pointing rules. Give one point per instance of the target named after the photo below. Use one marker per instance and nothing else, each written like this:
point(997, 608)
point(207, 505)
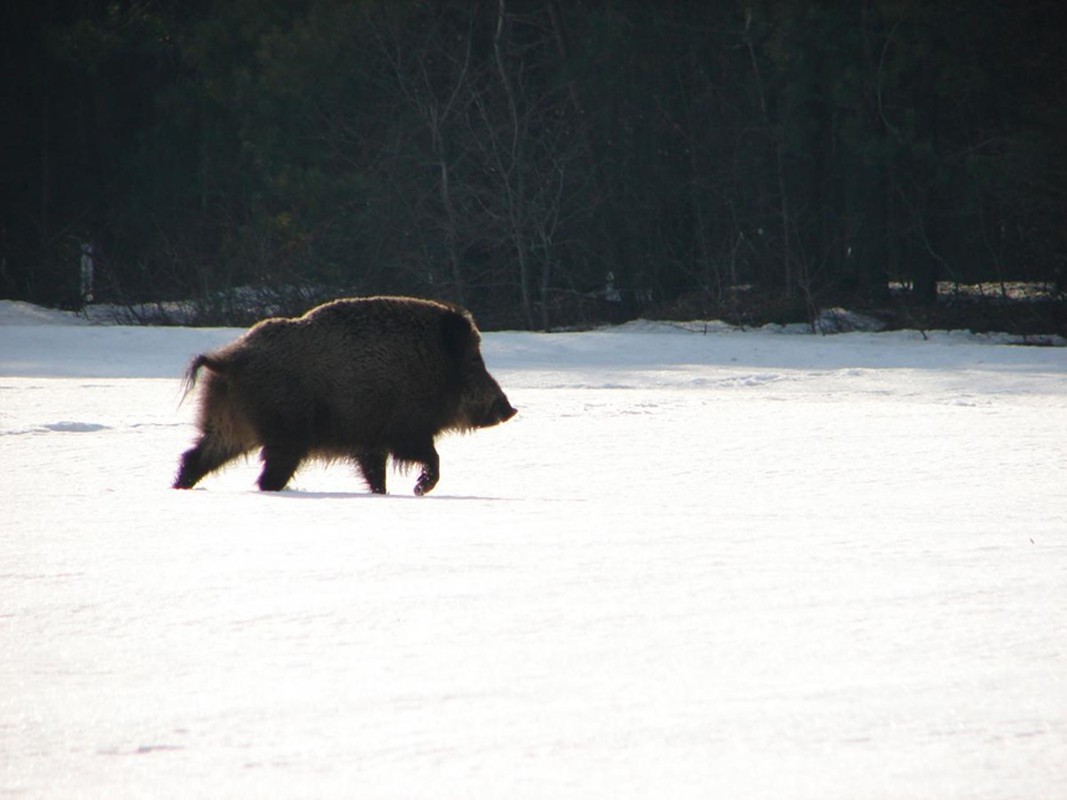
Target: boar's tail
point(203, 360)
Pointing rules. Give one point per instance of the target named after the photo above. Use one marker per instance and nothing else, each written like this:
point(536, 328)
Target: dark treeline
point(542, 161)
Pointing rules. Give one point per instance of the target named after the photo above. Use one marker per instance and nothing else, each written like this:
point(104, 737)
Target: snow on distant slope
point(16, 312)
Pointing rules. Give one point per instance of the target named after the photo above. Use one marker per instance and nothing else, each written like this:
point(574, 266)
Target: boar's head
point(480, 401)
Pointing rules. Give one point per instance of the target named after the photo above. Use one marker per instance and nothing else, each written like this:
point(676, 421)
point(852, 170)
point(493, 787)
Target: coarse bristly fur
point(363, 379)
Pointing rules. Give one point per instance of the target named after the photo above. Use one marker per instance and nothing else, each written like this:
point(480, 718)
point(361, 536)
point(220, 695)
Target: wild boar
point(359, 379)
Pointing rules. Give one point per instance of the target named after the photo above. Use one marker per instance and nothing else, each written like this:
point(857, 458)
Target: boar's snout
point(501, 411)
point(497, 411)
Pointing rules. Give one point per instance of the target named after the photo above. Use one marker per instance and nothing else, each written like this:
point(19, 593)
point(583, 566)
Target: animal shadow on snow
point(303, 494)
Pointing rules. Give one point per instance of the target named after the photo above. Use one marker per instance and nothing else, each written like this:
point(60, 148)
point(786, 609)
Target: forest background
point(546, 163)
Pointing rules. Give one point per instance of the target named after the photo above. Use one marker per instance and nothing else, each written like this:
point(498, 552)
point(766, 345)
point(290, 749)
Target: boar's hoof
point(427, 480)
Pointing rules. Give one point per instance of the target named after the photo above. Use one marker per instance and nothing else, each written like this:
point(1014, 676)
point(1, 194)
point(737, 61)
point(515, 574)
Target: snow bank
point(16, 312)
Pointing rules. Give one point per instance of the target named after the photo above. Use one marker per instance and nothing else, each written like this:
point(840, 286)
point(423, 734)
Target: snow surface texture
point(738, 565)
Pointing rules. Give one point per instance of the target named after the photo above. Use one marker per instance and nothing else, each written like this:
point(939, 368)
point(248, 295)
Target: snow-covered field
point(734, 564)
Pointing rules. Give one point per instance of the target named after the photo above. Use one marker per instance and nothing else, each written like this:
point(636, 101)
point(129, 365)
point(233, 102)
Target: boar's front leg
point(372, 465)
point(431, 473)
point(424, 453)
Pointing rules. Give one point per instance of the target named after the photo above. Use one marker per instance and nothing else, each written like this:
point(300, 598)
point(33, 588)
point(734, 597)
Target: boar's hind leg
point(279, 463)
point(372, 465)
point(208, 455)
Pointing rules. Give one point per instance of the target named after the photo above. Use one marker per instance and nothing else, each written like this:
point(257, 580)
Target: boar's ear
point(457, 333)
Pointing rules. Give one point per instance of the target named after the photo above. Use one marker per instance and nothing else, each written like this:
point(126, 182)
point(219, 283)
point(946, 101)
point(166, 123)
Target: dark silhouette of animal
point(362, 379)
